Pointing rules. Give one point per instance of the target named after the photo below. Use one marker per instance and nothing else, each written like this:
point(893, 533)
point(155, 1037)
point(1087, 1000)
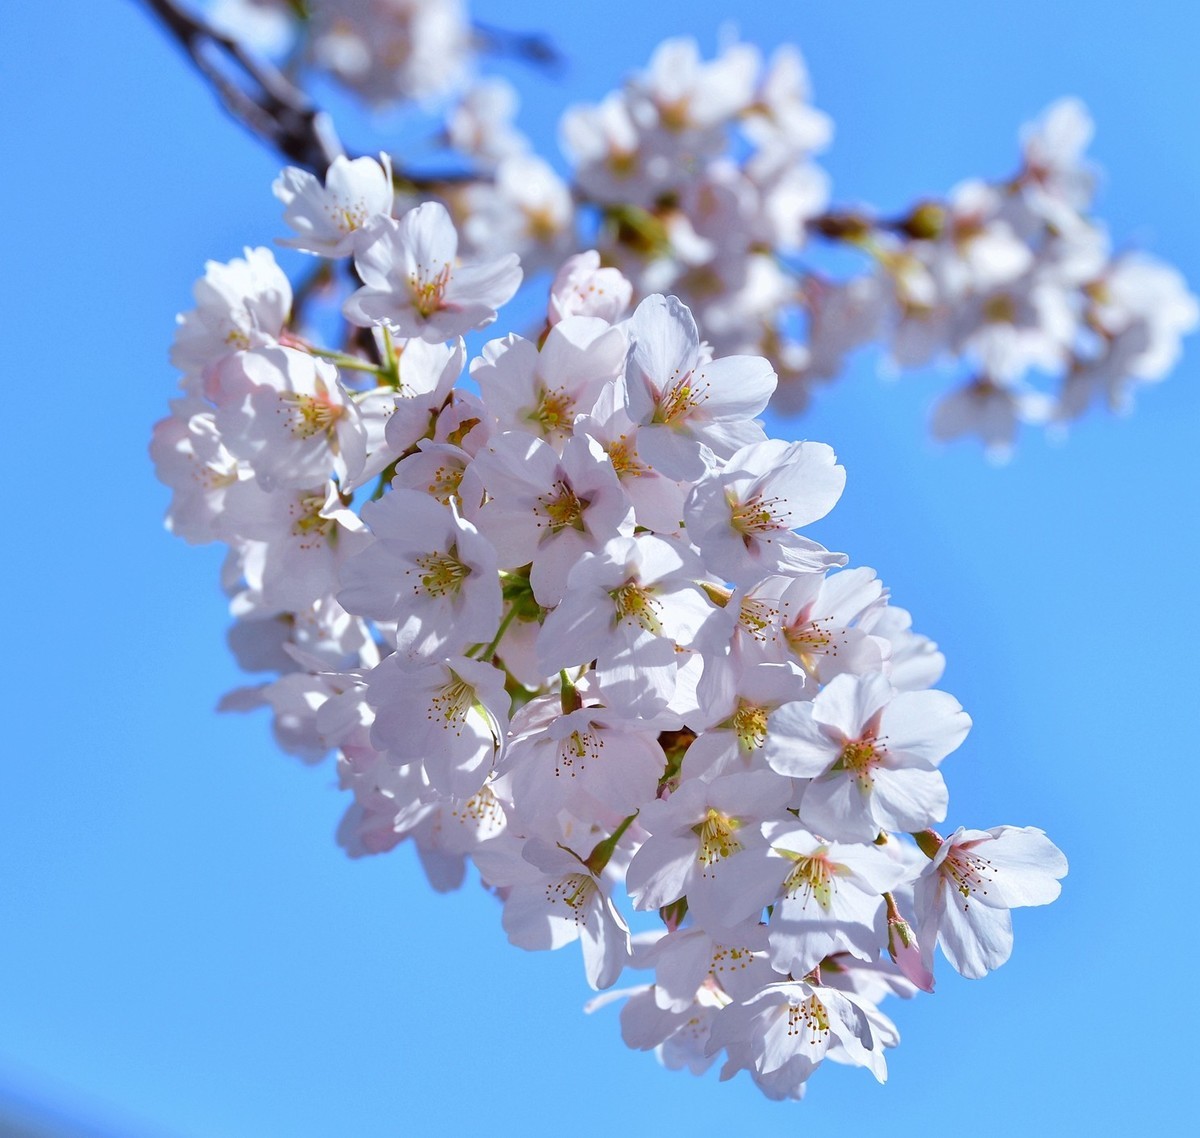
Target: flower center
point(969, 873)
point(624, 460)
point(757, 618)
point(575, 751)
point(759, 515)
point(309, 525)
point(452, 703)
point(813, 876)
point(443, 573)
point(685, 394)
point(750, 723)
point(635, 603)
point(572, 891)
point(554, 412)
point(809, 1018)
point(716, 837)
point(860, 757)
point(564, 509)
point(427, 294)
point(310, 414)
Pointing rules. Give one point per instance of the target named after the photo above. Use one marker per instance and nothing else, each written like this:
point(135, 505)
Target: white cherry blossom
point(413, 283)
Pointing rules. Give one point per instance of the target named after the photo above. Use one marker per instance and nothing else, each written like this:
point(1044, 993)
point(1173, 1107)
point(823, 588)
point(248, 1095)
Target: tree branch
point(258, 95)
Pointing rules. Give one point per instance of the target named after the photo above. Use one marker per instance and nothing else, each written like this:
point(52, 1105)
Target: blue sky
point(186, 953)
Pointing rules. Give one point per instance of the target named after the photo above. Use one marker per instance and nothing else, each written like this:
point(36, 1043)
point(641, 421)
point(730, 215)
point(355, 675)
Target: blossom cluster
point(382, 50)
point(698, 178)
point(551, 613)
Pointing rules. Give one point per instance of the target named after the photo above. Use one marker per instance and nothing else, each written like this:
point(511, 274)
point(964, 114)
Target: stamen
point(750, 723)
point(809, 1018)
point(716, 838)
point(452, 703)
point(563, 509)
point(814, 876)
point(555, 411)
point(443, 573)
point(860, 757)
point(684, 395)
point(758, 515)
point(636, 603)
point(574, 890)
point(575, 751)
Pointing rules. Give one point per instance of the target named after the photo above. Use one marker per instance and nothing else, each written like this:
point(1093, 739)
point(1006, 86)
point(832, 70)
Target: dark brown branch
point(529, 47)
point(259, 96)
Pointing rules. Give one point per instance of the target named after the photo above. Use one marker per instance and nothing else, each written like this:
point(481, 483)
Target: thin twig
point(259, 96)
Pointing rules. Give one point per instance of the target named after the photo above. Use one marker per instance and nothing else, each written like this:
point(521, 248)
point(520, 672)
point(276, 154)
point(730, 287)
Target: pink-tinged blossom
point(585, 760)
point(547, 508)
point(680, 1038)
point(832, 899)
point(686, 404)
point(241, 304)
point(793, 1027)
point(429, 571)
point(413, 283)
point(292, 542)
point(449, 715)
point(565, 902)
point(542, 392)
point(634, 584)
point(706, 844)
point(330, 219)
point(743, 516)
point(872, 754)
point(427, 374)
point(737, 724)
point(582, 288)
point(189, 457)
point(657, 500)
point(973, 879)
point(687, 959)
point(287, 415)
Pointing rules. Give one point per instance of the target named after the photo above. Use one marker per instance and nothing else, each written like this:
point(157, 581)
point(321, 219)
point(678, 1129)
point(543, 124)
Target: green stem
point(490, 650)
point(350, 363)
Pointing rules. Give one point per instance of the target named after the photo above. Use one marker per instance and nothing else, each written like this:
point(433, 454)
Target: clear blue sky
point(185, 953)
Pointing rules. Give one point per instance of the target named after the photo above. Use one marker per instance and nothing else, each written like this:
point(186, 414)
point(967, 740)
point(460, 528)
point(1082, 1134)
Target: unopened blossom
point(413, 283)
point(582, 288)
point(330, 219)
